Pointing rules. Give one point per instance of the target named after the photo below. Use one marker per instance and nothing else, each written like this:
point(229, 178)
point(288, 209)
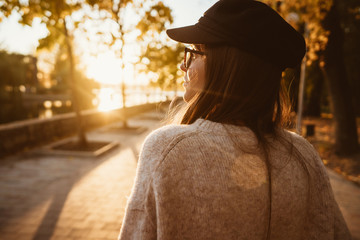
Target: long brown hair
point(242, 89)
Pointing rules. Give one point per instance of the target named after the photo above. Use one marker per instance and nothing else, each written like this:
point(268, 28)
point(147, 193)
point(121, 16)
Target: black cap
point(249, 25)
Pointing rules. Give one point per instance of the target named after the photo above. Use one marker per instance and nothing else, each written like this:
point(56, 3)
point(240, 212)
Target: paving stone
point(9, 236)
point(24, 237)
point(27, 230)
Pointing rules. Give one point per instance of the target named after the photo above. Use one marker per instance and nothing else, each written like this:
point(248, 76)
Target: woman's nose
point(182, 67)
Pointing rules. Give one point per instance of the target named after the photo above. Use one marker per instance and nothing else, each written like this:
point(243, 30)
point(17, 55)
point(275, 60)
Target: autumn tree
point(116, 10)
point(163, 60)
point(325, 44)
point(61, 76)
point(333, 67)
point(119, 11)
point(349, 11)
point(57, 15)
point(159, 55)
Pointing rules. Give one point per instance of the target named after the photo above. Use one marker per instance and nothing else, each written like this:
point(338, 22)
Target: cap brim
point(192, 34)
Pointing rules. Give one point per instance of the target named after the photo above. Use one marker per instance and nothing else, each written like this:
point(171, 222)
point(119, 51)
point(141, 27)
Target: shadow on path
point(34, 188)
point(30, 183)
point(48, 224)
point(62, 190)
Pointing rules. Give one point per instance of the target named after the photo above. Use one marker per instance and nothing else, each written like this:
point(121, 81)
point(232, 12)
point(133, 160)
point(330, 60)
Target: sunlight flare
point(108, 99)
point(105, 68)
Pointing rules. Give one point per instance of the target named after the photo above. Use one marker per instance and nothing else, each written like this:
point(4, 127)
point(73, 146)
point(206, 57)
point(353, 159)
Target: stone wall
point(22, 135)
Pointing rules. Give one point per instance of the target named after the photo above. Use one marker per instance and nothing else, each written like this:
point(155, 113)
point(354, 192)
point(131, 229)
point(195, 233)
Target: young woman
point(230, 170)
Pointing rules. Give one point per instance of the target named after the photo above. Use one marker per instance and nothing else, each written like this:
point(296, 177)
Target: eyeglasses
point(189, 55)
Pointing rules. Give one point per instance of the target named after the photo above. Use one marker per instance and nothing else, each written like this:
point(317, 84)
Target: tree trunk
point(120, 22)
point(123, 94)
point(75, 90)
point(313, 106)
point(346, 140)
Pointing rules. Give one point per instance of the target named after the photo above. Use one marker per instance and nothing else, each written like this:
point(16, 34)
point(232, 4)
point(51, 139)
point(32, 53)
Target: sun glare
point(108, 99)
point(105, 68)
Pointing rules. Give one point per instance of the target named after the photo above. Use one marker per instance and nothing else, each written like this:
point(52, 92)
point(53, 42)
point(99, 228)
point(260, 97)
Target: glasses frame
point(187, 64)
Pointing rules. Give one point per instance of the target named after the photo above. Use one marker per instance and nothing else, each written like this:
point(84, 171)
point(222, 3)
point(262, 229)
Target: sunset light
point(108, 99)
point(105, 68)
point(110, 130)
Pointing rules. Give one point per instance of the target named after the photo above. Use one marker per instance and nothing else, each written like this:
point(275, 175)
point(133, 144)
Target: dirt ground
point(323, 140)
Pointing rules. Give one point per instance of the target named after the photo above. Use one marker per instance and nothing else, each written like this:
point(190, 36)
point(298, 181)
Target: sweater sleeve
point(325, 220)
point(334, 221)
point(140, 215)
point(341, 230)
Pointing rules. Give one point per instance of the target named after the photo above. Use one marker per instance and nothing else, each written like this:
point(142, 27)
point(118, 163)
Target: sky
point(24, 39)
point(187, 12)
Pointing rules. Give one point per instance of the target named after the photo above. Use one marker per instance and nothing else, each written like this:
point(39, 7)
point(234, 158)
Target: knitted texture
point(209, 181)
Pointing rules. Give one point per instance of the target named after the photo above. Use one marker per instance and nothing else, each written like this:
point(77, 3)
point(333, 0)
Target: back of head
point(249, 25)
point(247, 46)
point(240, 89)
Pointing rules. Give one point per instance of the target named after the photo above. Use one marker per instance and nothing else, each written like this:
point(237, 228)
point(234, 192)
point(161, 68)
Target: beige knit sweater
point(208, 181)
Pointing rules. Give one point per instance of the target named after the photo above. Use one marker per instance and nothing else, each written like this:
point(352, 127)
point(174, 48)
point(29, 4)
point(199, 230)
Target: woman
point(229, 170)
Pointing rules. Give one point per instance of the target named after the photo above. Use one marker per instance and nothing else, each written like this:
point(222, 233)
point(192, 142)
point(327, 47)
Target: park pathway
point(43, 196)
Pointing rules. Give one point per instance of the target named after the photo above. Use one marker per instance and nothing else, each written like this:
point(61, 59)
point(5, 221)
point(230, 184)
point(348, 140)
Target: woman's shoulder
point(301, 144)
point(169, 132)
point(164, 138)
point(297, 139)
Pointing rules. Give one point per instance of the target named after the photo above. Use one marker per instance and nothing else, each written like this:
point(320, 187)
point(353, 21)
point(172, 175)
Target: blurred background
point(98, 50)
point(62, 56)
point(68, 66)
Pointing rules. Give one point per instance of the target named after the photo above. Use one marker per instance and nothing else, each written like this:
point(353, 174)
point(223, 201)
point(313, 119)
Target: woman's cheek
point(193, 75)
